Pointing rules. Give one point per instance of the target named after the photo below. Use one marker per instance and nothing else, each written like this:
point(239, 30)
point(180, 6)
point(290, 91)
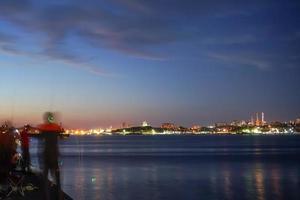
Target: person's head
point(6, 125)
point(49, 118)
point(26, 127)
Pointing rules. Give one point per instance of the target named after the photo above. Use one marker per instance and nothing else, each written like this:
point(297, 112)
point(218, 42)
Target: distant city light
point(259, 126)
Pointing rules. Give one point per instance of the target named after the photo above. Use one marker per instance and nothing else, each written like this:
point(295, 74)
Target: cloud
point(133, 27)
point(9, 49)
point(257, 60)
point(69, 59)
point(239, 60)
point(123, 32)
point(74, 61)
point(231, 40)
point(6, 38)
point(138, 28)
point(8, 46)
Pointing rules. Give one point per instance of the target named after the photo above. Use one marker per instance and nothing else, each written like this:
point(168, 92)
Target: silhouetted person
point(25, 149)
point(8, 151)
point(50, 132)
point(40, 153)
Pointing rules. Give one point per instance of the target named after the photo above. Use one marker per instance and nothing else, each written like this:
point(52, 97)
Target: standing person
point(8, 149)
point(25, 148)
point(50, 131)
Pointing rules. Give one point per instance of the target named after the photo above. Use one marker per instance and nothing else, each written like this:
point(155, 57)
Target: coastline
point(188, 134)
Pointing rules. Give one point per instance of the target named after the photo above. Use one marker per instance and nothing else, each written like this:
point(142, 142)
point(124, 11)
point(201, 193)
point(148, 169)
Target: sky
point(101, 63)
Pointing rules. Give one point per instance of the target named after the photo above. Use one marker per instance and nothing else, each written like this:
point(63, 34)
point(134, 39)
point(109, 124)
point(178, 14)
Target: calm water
point(181, 167)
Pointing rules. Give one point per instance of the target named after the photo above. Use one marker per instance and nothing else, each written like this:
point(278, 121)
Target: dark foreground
point(32, 189)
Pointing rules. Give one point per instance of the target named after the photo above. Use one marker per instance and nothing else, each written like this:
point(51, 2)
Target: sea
point(179, 167)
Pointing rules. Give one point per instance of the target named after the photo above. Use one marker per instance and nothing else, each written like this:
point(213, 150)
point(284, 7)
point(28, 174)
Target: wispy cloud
point(69, 60)
point(8, 46)
point(255, 60)
point(122, 32)
point(230, 40)
point(238, 60)
point(128, 26)
point(138, 28)
point(6, 38)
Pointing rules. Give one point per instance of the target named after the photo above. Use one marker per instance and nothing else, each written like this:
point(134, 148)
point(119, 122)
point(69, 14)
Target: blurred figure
point(40, 153)
point(25, 148)
point(8, 152)
point(50, 131)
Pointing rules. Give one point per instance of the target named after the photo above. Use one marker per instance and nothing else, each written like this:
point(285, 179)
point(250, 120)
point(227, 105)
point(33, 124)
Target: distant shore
point(188, 134)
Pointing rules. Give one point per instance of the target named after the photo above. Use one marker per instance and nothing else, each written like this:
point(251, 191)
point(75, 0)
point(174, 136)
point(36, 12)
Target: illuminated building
point(238, 123)
point(168, 126)
point(297, 121)
point(257, 122)
point(263, 122)
point(252, 121)
point(196, 127)
point(145, 124)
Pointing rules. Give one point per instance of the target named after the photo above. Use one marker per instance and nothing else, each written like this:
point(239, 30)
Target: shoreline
point(191, 134)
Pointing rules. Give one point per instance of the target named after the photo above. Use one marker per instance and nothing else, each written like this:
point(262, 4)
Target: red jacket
point(24, 138)
point(50, 127)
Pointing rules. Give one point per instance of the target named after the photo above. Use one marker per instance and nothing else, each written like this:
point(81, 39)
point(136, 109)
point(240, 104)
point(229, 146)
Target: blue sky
point(102, 63)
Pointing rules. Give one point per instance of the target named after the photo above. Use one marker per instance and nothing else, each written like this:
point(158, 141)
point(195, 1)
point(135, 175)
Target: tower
point(263, 118)
point(252, 120)
point(257, 122)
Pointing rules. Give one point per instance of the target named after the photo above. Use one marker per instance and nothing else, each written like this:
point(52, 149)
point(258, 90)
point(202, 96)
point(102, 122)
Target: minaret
point(257, 120)
point(263, 118)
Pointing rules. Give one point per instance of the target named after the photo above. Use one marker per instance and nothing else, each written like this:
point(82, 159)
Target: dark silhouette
point(7, 151)
point(25, 149)
point(8, 157)
point(50, 132)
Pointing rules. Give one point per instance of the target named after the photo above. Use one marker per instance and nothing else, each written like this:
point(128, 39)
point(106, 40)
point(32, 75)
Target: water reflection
point(259, 181)
point(226, 174)
point(97, 181)
point(248, 184)
point(79, 178)
point(169, 177)
point(213, 182)
point(294, 179)
point(110, 182)
point(275, 182)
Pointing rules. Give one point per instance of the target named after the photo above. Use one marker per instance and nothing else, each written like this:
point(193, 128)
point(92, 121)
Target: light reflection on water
point(259, 181)
point(179, 167)
point(275, 181)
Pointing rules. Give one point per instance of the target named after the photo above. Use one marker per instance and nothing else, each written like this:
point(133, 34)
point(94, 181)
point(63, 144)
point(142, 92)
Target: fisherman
point(25, 148)
point(50, 131)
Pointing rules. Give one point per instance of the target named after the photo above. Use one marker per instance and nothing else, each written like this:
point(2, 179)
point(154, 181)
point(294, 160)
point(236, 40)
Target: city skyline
point(258, 120)
point(185, 62)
